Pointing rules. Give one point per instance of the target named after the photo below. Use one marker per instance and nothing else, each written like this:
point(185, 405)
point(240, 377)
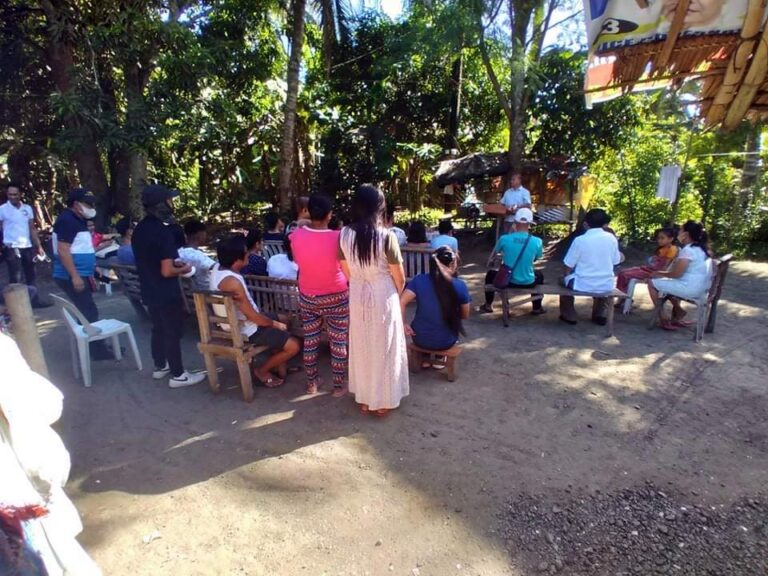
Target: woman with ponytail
point(689, 276)
point(442, 302)
point(371, 260)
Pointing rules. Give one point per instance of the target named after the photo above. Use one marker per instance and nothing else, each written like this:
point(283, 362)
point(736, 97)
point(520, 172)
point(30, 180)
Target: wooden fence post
point(24, 327)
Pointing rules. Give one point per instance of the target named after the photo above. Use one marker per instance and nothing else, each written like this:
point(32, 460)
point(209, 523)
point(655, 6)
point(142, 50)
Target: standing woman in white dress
point(689, 276)
point(370, 258)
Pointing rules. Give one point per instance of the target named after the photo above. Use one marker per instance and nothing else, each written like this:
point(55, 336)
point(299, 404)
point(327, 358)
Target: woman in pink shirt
point(323, 293)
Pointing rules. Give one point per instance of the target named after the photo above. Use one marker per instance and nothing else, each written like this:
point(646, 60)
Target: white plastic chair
point(84, 332)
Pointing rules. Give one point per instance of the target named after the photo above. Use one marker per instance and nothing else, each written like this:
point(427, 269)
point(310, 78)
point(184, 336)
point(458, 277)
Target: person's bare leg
point(290, 350)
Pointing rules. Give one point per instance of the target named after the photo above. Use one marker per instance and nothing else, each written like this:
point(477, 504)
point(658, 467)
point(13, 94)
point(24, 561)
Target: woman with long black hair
point(371, 260)
point(689, 276)
point(442, 302)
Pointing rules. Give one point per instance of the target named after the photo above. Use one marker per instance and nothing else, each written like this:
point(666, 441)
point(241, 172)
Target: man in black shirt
point(156, 256)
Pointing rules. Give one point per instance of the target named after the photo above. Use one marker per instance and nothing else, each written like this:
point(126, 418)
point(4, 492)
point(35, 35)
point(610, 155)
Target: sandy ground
point(293, 485)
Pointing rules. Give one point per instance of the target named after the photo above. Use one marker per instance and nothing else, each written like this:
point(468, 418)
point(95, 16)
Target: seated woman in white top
point(260, 329)
point(282, 265)
point(689, 276)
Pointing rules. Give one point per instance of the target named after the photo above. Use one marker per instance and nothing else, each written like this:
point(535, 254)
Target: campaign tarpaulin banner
point(616, 24)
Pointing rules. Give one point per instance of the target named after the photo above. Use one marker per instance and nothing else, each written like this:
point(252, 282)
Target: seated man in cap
point(74, 260)
point(156, 253)
point(589, 266)
point(519, 250)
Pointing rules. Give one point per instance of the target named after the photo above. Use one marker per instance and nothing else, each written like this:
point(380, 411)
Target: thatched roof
point(732, 66)
point(480, 165)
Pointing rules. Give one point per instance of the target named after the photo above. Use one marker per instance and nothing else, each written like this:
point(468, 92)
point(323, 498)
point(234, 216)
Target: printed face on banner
point(613, 24)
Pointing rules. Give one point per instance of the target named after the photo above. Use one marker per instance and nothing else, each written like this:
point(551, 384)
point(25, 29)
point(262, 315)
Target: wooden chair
point(418, 355)
point(271, 247)
point(706, 305)
point(215, 341)
point(416, 261)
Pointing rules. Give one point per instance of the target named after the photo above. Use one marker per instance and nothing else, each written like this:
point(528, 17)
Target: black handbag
point(505, 272)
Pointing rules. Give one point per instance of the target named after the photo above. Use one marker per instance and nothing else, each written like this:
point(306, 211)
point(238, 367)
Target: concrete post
point(24, 328)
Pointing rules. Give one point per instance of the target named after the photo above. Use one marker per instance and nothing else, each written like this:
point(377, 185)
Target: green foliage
point(430, 216)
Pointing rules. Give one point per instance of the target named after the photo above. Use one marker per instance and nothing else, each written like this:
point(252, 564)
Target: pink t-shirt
point(316, 253)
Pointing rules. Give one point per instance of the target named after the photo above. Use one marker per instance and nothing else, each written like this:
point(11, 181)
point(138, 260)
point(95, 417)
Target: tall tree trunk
point(749, 179)
point(136, 78)
point(287, 160)
point(457, 69)
point(60, 56)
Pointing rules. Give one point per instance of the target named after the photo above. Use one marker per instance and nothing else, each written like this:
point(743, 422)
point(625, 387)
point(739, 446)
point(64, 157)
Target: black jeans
point(20, 259)
point(83, 301)
point(490, 276)
point(167, 329)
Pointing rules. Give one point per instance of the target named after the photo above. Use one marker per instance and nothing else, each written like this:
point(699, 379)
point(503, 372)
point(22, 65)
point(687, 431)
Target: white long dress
point(378, 357)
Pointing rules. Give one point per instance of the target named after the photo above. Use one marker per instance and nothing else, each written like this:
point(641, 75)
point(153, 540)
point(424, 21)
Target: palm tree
point(333, 19)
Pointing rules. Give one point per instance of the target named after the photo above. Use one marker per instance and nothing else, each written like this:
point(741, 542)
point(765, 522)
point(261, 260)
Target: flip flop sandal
point(271, 382)
point(684, 323)
point(364, 409)
point(311, 389)
point(669, 326)
point(382, 413)
point(339, 391)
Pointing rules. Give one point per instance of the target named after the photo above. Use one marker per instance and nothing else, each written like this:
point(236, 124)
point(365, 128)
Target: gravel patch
point(642, 530)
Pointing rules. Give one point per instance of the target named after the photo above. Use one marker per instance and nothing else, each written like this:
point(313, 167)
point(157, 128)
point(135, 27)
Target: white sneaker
point(186, 379)
point(161, 373)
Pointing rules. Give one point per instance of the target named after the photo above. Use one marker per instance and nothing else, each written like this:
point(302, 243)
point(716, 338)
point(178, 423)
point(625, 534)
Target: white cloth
point(202, 263)
point(592, 257)
point(247, 327)
point(515, 196)
point(668, 178)
point(696, 279)
point(279, 266)
point(16, 225)
point(378, 357)
point(35, 464)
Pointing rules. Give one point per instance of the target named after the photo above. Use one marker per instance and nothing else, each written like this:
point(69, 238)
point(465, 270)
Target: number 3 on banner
point(616, 26)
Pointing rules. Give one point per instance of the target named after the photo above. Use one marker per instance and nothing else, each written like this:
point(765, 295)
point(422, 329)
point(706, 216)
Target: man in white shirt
point(589, 266)
point(515, 197)
point(20, 240)
point(195, 234)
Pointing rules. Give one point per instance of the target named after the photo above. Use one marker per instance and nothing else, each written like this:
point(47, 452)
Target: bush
point(430, 217)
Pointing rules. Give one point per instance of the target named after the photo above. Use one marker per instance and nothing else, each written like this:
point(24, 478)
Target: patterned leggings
point(334, 309)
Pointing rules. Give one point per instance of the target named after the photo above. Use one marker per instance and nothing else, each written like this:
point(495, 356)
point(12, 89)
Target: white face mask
point(87, 212)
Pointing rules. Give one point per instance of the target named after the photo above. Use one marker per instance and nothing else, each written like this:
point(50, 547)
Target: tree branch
point(492, 74)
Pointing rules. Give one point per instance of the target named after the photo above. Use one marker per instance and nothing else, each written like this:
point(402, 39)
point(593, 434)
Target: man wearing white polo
point(20, 240)
point(515, 197)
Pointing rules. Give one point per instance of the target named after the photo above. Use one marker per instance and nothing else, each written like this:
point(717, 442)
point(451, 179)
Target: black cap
point(80, 195)
point(157, 194)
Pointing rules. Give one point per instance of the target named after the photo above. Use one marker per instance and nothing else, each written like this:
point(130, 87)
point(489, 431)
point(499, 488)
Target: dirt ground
point(294, 485)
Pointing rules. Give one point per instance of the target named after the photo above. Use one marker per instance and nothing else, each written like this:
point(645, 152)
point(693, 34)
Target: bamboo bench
point(538, 292)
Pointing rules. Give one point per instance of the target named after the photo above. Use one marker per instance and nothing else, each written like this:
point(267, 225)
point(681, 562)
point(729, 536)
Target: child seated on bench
point(442, 302)
point(665, 252)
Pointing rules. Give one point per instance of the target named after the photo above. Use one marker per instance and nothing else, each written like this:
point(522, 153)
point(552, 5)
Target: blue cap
point(157, 194)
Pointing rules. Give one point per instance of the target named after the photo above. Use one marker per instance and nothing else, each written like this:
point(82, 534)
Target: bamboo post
point(753, 80)
point(24, 327)
point(737, 66)
point(676, 26)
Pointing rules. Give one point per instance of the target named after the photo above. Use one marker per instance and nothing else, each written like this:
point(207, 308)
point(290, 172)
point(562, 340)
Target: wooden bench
point(275, 295)
point(215, 341)
point(538, 293)
point(706, 306)
point(129, 277)
point(416, 261)
point(418, 355)
point(271, 247)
